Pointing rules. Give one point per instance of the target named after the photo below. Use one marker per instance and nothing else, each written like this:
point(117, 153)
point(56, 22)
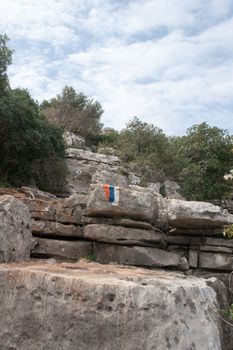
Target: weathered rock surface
point(172, 189)
point(83, 306)
point(137, 256)
point(132, 204)
point(90, 156)
point(51, 248)
point(216, 261)
point(122, 235)
point(55, 229)
point(73, 140)
point(15, 230)
point(186, 214)
point(106, 174)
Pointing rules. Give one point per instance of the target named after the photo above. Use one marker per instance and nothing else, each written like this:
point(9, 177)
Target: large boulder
point(184, 214)
point(131, 203)
point(88, 306)
point(15, 230)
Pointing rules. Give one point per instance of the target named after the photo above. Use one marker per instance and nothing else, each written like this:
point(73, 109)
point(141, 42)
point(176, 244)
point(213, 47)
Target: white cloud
point(167, 61)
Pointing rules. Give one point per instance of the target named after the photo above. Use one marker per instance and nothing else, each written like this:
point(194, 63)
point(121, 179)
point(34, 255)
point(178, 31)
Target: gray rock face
point(216, 261)
point(85, 307)
point(15, 230)
point(172, 189)
point(106, 174)
point(51, 248)
point(137, 256)
point(73, 140)
point(133, 204)
point(121, 235)
point(90, 156)
point(82, 165)
point(186, 214)
point(55, 229)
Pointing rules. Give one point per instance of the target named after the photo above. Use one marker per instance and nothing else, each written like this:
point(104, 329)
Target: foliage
point(5, 60)
point(228, 313)
point(228, 231)
point(76, 113)
point(144, 146)
point(204, 156)
point(30, 145)
point(91, 257)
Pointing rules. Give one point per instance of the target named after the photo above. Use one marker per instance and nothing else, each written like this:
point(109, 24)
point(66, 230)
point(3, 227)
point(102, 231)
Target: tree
point(205, 156)
point(5, 60)
point(30, 146)
point(144, 146)
point(75, 112)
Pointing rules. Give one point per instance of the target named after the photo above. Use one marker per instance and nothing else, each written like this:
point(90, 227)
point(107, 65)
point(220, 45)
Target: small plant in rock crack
point(91, 257)
point(228, 231)
point(228, 313)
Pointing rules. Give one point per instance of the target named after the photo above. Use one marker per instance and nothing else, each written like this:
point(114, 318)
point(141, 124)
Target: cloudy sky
point(169, 62)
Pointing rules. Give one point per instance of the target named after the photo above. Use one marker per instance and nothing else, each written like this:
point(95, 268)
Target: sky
point(169, 62)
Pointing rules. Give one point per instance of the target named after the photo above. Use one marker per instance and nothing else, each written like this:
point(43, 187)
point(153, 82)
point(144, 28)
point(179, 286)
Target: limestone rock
point(79, 175)
point(121, 235)
point(172, 189)
point(55, 229)
point(59, 249)
point(107, 150)
point(184, 214)
point(41, 209)
point(15, 230)
point(30, 192)
point(106, 174)
point(154, 187)
point(90, 156)
point(136, 256)
point(85, 306)
point(73, 140)
point(132, 204)
point(216, 261)
point(201, 232)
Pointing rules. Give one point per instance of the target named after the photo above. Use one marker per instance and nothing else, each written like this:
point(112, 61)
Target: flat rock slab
point(216, 261)
point(15, 230)
point(89, 306)
point(52, 248)
point(80, 154)
point(132, 204)
point(55, 229)
point(184, 214)
point(137, 256)
point(121, 235)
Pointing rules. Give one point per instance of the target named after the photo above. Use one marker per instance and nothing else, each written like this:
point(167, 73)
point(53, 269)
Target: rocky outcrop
point(82, 165)
point(186, 214)
point(15, 230)
point(83, 306)
point(172, 190)
point(122, 235)
point(73, 140)
point(132, 204)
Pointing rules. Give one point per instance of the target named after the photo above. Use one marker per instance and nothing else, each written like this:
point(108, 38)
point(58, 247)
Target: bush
point(29, 143)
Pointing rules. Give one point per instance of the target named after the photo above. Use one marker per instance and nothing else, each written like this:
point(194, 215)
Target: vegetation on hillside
point(32, 148)
point(198, 160)
point(75, 112)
